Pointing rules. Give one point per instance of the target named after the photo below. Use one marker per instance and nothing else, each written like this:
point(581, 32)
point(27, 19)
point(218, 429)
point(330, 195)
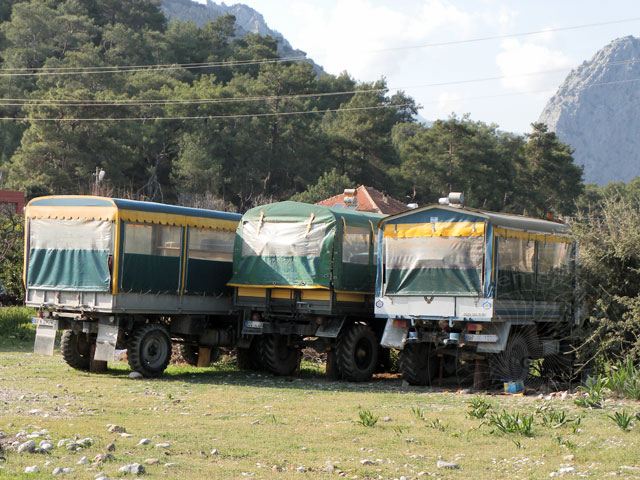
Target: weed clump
point(367, 418)
point(479, 407)
point(506, 422)
point(594, 394)
point(624, 420)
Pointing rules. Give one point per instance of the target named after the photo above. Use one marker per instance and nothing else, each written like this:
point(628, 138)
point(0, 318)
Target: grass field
point(224, 423)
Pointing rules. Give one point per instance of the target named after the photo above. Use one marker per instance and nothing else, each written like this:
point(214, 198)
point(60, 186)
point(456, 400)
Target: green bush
point(11, 257)
point(609, 270)
point(16, 321)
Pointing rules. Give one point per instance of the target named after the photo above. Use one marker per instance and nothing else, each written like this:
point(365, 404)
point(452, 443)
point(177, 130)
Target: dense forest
point(192, 115)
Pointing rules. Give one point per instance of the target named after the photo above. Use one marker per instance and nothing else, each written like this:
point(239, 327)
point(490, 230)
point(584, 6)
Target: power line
point(203, 101)
point(207, 117)
point(508, 35)
point(162, 65)
point(153, 102)
point(275, 114)
point(47, 71)
point(67, 71)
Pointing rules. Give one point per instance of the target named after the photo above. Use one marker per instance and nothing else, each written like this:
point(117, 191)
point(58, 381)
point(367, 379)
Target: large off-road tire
point(417, 365)
point(250, 358)
point(514, 362)
point(149, 349)
point(76, 349)
point(279, 358)
point(190, 354)
point(357, 353)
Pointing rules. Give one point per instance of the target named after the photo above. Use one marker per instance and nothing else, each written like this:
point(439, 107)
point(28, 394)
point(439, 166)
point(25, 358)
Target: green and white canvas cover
point(70, 254)
point(435, 251)
point(304, 246)
point(440, 250)
point(97, 244)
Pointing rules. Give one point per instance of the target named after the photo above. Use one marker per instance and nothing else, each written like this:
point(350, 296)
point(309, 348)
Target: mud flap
point(394, 336)
point(330, 329)
point(501, 330)
point(45, 336)
point(106, 342)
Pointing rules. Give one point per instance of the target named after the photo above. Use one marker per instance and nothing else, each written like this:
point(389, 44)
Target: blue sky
point(374, 38)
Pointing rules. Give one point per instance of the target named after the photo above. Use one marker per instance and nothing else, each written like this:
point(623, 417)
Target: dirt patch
point(8, 394)
point(6, 442)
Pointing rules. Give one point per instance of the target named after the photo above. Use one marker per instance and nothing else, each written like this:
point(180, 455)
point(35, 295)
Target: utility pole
point(100, 173)
point(450, 157)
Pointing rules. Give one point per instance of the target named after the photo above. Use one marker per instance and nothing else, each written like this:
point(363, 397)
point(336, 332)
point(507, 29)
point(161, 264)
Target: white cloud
point(367, 39)
point(519, 61)
point(500, 16)
point(447, 104)
point(439, 13)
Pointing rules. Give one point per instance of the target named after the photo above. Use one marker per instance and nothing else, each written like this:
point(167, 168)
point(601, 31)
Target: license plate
point(481, 338)
point(253, 324)
point(47, 322)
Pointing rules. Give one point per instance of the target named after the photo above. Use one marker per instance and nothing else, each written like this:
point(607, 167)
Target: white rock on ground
point(33, 469)
point(449, 465)
point(563, 471)
point(134, 469)
point(45, 445)
point(27, 447)
point(144, 441)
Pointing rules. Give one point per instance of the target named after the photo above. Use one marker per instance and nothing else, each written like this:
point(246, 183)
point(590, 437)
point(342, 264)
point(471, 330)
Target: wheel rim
point(155, 350)
point(363, 353)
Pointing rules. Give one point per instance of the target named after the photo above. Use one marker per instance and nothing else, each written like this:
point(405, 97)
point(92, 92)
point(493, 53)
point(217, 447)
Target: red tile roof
point(14, 199)
point(368, 200)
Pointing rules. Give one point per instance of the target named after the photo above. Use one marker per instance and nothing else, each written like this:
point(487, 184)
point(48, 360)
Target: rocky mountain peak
point(248, 21)
point(595, 110)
